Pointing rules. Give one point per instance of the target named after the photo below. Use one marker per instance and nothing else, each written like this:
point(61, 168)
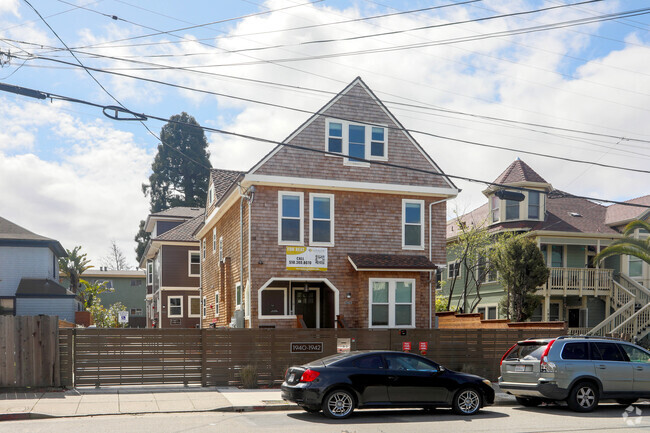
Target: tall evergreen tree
point(181, 170)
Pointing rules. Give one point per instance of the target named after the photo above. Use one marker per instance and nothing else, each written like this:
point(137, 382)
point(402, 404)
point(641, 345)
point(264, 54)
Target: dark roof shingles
point(391, 261)
point(182, 232)
point(519, 171)
point(223, 180)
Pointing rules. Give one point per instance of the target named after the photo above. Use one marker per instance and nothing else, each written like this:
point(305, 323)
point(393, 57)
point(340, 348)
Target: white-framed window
point(238, 295)
point(489, 312)
point(216, 304)
point(214, 240)
point(412, 224)
point(204, 307)
point(149, 273)
point(290, 218)
point(495, 208)
point(195, 306)
point(485, 272)
point(273, 302)
point(512, 210)
point(203, 248)
point(356, 140)
point(321, 219)
point(634, 266)
point(533, 205)
point(392, 303)
point(221, 249)
point(194, 263)
point(453, 270)
point(210, 194)
point(174, 306)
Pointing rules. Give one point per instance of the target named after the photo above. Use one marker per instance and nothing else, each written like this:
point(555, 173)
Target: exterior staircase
point(631, 317)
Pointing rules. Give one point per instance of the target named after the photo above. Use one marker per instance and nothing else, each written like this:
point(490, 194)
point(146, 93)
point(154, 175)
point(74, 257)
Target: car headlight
point(487, 382)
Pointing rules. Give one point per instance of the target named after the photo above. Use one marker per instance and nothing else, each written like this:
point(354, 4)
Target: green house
point(610, 298)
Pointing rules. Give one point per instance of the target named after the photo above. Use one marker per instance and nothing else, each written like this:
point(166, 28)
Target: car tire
point(338, 404)
point(626, 401)
point(583, 397)
point(529, 401)
point(467, 401)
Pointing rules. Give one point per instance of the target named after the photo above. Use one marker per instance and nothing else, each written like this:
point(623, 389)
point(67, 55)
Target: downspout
point(432, 295)
point(246, 195)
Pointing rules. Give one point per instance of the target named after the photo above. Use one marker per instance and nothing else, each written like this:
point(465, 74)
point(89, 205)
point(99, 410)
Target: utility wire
point(44, 95)
point(270, 104)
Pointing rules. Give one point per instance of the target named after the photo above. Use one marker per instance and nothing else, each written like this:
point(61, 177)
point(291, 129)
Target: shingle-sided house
point(29, 274)
point(307, 239)
point(171, 261)
point(600, 299)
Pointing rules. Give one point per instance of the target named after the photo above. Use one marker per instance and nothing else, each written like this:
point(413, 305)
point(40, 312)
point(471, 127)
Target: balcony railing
point(578, 282)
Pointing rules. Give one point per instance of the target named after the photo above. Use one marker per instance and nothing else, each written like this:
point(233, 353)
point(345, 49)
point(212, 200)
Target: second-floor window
point(533, 205)
point(210, 194)
point(216, 303)
point(204, 248)
point(512, 210)
point(214, 240)
point(635, 266)
point(356, 140)
point(495, 208)
point(321, 224)
point(149, 273)
point(221, 249)
point(290, 218)
point(412, 224)
point(195, 264)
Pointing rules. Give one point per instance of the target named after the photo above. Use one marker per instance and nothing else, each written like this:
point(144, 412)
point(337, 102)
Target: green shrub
point(248, 376)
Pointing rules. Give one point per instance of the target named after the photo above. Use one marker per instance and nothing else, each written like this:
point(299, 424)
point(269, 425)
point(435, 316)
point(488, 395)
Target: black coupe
point(340, 383)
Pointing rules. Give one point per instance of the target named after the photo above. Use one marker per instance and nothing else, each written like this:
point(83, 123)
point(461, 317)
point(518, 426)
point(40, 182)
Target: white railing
point(621, 315)
point(642, 294)
point(621, 296)
point(636, 326)
point(578, 281)
point(578, 331)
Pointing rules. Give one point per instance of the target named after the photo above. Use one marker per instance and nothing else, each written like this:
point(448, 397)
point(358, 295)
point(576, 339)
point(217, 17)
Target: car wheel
point(529, 401)
point(311, 409)
point(583, 397)
point(626, 401)
point(467, 401)
point(338, 404)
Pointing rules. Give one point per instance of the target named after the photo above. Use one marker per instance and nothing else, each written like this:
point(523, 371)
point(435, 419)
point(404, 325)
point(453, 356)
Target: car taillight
point(285, 373)
point(506, 354)
point(544, 365)
point(309, 375)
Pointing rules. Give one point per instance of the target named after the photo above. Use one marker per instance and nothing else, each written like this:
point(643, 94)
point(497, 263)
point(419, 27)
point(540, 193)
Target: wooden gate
point(29, 351)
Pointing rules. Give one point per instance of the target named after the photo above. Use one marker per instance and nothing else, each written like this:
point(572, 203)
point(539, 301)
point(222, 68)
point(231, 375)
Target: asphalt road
point(607, 418)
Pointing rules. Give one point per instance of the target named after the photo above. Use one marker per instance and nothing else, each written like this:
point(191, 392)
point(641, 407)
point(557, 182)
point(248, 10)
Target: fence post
point(204, 358)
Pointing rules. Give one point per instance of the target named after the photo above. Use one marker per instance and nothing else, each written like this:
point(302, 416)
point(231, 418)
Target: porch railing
point(642, 294)
point(578, 331)
point(636, 327)
point(578, 281)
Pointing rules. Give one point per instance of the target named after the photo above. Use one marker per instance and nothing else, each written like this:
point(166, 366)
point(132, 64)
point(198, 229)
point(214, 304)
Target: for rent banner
point(306, 259)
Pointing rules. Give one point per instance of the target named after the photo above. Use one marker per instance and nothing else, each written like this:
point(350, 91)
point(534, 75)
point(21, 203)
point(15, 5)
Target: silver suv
point(579, 370)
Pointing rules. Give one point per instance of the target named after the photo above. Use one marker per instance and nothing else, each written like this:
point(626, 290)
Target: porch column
point(547, 308)
point(608, 305)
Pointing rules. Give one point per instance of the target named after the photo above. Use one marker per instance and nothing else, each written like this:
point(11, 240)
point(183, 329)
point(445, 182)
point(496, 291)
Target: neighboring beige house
point(307, 239)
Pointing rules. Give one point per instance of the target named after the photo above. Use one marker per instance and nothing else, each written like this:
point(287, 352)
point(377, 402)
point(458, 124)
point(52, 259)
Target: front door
point(307, 306)
point(574, 317)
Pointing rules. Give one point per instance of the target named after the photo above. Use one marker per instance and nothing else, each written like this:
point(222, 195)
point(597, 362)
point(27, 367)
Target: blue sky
point(72, 174)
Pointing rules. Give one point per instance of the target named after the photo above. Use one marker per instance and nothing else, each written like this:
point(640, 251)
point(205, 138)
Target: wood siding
point(175, 267)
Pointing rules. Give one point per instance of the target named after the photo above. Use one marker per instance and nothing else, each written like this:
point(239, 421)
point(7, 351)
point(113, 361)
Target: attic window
point(356, 140)
point(575, 214)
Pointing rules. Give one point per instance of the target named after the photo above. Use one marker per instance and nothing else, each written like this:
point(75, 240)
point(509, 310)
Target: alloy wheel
point(586, 397)
point(340, 404)
point(469, 401)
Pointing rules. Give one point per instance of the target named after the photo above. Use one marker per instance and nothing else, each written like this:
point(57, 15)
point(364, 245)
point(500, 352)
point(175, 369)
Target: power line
point(44, 95)
point(270, 104)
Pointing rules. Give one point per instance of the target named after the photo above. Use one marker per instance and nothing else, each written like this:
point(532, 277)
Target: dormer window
point(512, 210)
point(495, 208)
point(211, 194)
point(533, 205)
point(356, 141)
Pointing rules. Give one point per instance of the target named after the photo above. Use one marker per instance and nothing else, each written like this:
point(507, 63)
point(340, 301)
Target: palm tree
point(73, 266)
point(629, 245)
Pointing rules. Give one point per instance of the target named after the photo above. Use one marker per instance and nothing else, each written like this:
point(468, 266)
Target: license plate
point(520, 368)
point(291, 377)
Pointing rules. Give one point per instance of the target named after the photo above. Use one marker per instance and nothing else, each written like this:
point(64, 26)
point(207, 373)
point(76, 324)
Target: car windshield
point(527, 351)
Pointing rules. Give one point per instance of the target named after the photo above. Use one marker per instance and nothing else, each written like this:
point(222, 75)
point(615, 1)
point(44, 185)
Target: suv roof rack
point(587, 337)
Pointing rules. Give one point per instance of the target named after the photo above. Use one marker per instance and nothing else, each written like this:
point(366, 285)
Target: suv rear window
point(575, 351)
point(527, 351)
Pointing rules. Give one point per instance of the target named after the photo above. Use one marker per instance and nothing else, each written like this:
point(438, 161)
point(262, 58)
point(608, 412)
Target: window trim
point(539, 205)
point(204, 307)
point(301, 196)
point(149, 272)
point(214, 240)
point(312, 196)
point(518, 206)
point(392, 283)
point(345, 138)
point(189, 305)
point(216, 303)
point(203, 249)
point(487, 274)
point(239, 293)
point(420, 247)
point(458, 272)
point(487, 307)
point(189, 263)
point(285, 314)
point(494, 199)
point(169, 307)
point(211, 194)
point(221, 248)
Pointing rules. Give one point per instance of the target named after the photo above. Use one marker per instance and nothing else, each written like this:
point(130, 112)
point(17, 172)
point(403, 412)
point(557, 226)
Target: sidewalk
point(148, 399)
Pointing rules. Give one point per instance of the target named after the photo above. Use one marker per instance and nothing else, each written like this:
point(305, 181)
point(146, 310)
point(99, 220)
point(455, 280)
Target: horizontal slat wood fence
point(214, 357)
point(29, 351)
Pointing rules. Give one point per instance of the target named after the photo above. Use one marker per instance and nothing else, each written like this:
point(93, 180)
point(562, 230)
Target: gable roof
point(223, 180)
point(347, 106)
point(179, 212)
point(519, 171)
point(13, 234)
point(618, 214)
point(41, 287)
point(362, 262)
point(183, 232)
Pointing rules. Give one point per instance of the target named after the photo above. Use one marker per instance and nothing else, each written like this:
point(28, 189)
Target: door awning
point(391, 262)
